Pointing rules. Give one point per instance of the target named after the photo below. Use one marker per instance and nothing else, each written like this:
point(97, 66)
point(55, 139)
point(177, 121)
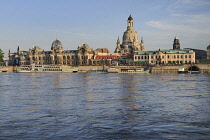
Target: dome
point(208, 47)
point(57, 45)
point(129, 36)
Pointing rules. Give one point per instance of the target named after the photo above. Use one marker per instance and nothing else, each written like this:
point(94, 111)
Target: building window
point(177, 56)
point(189, 56)
point(145, 57)
point(185, 56)
point(162, 57)
point(138, 57)
point(181, 56)
point(174, 56)
point(168, 56)
point(142, 57)
point(151, 57)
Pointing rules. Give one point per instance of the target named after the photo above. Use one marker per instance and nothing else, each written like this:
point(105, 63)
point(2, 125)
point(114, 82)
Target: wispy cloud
point(71, 33)
point(193, 24)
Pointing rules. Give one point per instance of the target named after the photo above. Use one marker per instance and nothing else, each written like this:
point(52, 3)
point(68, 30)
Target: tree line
point(1, 57)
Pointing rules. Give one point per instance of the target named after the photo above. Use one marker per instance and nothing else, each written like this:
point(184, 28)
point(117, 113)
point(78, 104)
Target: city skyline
point(99, 23)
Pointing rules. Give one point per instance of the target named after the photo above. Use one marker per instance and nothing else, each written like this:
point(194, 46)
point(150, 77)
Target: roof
point(176, 37)
point(165, 51)
point(70, 51)
point(130, 18)
point(106, 57)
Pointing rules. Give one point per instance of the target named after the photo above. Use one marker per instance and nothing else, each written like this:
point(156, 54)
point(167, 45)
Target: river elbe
point(75, 106)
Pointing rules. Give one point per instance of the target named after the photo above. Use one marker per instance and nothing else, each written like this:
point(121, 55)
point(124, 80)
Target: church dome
point(57, 45)
point(129, 36)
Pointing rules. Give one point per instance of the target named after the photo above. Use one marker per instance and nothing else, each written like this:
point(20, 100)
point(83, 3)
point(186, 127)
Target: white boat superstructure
point(46, 68)
point(127, 70)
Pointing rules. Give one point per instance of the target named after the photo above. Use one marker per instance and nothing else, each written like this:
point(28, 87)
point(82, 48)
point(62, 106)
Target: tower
point(130, 23)
point(176, 44)
point(130, 41)
point(142, 45)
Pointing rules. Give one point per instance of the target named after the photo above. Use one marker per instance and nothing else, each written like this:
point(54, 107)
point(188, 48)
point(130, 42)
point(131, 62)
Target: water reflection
point(104, 106)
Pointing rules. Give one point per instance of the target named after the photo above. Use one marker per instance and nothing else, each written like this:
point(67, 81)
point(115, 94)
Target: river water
point(104, 106)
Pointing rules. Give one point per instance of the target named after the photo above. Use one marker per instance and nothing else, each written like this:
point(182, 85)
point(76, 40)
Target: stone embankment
point(6, 69)
point(203, 68)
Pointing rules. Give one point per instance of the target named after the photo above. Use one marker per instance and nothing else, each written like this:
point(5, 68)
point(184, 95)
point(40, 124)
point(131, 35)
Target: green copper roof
point(176, 37)
point(165, 52)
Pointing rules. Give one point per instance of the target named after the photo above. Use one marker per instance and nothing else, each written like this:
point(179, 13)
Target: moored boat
point(46, 68)
point(183, 71)
point(128, 70)
point(98, 71)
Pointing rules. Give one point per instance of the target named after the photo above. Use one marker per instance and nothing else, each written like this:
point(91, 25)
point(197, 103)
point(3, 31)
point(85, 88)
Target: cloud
point(71, 33)
point(186, 24)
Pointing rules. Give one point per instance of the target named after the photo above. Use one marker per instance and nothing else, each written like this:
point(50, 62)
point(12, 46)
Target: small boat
point(46, 68)
point(97, 71)
point(128, 70)
point(182, 71)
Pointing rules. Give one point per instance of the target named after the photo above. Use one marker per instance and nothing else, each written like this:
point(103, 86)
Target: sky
point(98, 23)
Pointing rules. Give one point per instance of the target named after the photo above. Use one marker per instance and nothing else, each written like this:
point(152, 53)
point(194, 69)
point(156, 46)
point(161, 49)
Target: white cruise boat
point(127, 70)
point(46, 68)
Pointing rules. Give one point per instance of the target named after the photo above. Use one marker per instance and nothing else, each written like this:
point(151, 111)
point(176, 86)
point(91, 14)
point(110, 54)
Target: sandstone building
point(165, 56)
point(130, 42)
point(173, 56)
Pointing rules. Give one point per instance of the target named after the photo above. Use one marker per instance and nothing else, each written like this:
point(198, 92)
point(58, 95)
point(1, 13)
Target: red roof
point(106, 57)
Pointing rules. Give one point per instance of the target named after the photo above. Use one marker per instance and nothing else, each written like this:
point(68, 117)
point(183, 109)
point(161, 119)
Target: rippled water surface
point(104, 106)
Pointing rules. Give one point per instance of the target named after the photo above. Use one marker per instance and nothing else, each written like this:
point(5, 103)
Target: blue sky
point(98, 23)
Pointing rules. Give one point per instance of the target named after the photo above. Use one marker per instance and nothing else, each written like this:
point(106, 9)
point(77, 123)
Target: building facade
point(83, 56)
point(165, 56)
point(130, 42)
point(56, 56)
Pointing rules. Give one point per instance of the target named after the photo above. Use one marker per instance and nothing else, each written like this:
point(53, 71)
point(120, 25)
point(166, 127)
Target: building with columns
point(173, 56)
point(130, 42)
point(165, 57)
point(83, 56)
point(56, 56)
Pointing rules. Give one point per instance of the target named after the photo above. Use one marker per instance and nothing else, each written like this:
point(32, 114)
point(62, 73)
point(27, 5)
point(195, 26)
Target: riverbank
point(203, 68)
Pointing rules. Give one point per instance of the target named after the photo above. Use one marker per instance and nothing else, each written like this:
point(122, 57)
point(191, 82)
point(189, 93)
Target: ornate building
point(130, 41)
point(83, 56)
point(176, 44)
point(56, 56)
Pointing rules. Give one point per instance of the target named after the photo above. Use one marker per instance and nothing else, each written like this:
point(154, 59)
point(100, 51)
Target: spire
point(130, 18)
point(56, 37)
point(118, 40)
point(142, 40)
